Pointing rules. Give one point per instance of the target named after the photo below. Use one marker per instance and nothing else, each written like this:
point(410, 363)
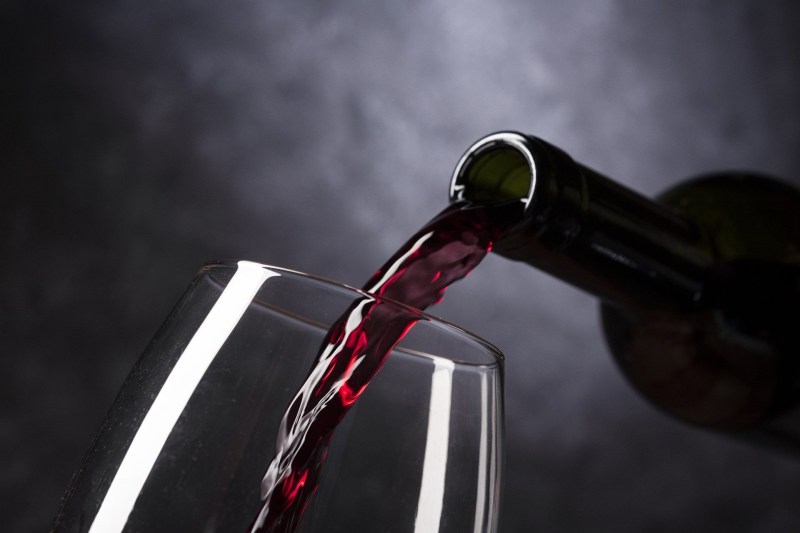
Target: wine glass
point(187, 442)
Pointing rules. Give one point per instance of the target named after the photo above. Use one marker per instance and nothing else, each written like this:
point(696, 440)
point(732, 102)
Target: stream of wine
point(442, 252)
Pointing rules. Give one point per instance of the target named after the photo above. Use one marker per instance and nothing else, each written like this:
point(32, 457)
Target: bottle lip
point(462, 186)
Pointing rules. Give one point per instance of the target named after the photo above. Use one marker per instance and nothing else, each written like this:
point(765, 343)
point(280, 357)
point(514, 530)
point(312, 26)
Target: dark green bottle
point(699, 289)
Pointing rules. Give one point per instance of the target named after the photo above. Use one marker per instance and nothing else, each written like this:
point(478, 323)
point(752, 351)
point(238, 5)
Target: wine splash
point(442, 252)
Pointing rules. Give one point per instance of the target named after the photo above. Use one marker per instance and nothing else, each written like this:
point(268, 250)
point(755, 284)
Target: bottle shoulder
point(734, 361)
point(745, 216)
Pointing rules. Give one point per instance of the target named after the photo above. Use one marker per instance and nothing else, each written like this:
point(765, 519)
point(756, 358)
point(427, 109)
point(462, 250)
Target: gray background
point(140, 139)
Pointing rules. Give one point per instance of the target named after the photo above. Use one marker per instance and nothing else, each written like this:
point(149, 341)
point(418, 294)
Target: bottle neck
point(585, 229)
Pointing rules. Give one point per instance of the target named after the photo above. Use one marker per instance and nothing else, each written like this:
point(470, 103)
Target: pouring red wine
point(698, 295)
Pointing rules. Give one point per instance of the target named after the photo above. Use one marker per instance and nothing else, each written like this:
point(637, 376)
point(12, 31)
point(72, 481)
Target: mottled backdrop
point(140, 139)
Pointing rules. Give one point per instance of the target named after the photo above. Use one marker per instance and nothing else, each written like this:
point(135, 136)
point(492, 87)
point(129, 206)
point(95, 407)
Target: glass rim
point(493, 352)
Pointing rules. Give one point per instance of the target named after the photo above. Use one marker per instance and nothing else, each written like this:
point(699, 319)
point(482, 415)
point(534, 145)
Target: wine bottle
point(699, 289)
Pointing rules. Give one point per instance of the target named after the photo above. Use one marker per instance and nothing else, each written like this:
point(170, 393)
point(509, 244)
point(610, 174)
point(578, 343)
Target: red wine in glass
point(442, 252)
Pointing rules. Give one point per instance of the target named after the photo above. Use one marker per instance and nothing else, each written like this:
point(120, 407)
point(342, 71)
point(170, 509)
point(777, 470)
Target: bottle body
point(730, 362)
point(699, 289)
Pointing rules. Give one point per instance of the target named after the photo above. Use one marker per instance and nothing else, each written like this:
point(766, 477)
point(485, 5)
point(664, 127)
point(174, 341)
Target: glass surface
point(189, 438)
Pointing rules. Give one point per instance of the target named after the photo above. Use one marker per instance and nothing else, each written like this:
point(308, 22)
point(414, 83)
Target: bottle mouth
point(497, 168)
